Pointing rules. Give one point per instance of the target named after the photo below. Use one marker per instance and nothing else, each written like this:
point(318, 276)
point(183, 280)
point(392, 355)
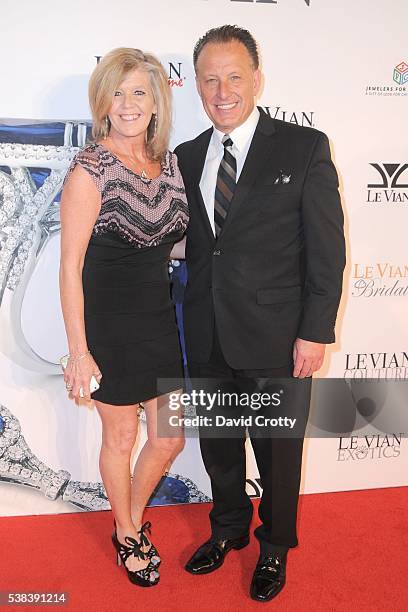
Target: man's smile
point(226, 107)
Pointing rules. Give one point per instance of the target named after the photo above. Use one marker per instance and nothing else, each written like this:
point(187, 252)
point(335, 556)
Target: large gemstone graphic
point(170, 491)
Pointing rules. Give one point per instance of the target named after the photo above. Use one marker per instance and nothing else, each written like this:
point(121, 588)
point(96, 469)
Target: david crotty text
point(222, 421)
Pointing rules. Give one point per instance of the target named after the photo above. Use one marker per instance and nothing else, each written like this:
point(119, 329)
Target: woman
point(123, 207)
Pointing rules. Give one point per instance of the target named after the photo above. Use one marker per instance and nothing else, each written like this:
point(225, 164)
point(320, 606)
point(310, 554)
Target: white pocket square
point(283, 178)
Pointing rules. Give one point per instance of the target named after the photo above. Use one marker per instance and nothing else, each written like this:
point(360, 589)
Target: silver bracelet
point(75, 359)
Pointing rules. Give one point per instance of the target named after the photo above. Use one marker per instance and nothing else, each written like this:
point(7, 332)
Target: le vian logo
point(391, 185)
point(175, 79)
point(380, 446)
point(305, 118)
point(379, 280)
point(378, 366)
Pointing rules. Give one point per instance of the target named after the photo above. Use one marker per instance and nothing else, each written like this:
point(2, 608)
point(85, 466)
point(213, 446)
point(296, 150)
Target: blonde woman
point(122, 209)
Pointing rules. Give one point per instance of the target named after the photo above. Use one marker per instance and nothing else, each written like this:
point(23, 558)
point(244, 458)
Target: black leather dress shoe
point(269, 577)
point(210, 556)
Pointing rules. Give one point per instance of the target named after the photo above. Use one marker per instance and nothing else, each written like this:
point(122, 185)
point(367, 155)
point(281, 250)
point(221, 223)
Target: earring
point(155, 126)
point(107, 126)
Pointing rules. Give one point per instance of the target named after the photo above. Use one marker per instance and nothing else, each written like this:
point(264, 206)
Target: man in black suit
point(265, 258)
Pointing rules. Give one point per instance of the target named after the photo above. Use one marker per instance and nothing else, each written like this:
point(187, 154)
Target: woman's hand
point(78, 374)
point(179, 250)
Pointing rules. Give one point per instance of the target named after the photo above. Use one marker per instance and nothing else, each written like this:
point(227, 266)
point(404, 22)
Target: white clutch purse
point(93, 384)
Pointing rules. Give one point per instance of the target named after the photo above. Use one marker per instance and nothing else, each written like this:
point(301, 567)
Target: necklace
point(133, 163)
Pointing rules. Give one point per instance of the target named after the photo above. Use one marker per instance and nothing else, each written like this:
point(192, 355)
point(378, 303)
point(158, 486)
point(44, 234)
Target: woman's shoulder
point(170, 164)
point(89, 155)
point(89, 159)
point(171, 159)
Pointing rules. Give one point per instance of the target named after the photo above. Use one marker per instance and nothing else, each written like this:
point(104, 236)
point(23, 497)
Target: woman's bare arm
point(80, 205)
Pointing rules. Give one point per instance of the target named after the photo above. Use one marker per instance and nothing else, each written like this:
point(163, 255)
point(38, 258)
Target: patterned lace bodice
point(142, 211)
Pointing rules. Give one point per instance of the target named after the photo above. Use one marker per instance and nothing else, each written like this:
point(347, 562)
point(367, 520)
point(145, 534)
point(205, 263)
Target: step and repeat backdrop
point(340, 67)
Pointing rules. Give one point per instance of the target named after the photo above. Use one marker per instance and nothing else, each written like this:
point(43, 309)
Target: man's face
point(227, 83)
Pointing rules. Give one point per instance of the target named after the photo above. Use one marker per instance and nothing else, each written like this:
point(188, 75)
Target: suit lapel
point(197, 166)
point(263, 143)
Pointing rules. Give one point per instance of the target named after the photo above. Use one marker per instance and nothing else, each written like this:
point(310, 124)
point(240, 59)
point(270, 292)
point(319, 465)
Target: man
point(265, 258)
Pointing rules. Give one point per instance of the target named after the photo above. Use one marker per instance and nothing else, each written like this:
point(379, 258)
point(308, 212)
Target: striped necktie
point(225, 186)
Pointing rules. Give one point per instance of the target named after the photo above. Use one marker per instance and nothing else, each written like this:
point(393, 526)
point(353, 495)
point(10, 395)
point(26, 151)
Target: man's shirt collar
point(242, 133)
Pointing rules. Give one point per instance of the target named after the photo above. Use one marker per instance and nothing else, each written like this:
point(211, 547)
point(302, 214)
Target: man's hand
point(307, 357)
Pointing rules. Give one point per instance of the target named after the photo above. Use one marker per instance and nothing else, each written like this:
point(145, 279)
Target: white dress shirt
point(242, 138)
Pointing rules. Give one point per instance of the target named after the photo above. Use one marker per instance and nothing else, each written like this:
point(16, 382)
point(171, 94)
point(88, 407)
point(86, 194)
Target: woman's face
point(132, 106)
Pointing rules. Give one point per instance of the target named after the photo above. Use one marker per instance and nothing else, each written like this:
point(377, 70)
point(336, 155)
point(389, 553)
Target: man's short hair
point(226, 34)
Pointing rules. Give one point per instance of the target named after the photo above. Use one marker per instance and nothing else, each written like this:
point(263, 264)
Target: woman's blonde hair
point(106, 78)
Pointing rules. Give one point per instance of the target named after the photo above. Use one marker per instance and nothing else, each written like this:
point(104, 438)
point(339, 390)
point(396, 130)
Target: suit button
point(217, 252)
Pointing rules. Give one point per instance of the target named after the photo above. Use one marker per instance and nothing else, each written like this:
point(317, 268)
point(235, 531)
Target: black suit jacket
point(275, 271)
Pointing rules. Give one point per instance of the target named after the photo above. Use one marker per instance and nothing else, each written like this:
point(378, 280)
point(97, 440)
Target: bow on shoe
point(133, 548)
point(144, 540)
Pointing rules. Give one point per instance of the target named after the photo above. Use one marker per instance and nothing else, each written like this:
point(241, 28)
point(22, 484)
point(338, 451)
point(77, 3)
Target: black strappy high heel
point(152, 553)
point(146, 577)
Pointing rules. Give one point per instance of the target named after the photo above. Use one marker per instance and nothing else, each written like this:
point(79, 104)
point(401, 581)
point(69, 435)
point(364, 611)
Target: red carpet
point(353, 555)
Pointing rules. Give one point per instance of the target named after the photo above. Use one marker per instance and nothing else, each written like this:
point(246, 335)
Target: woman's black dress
point(129, 316)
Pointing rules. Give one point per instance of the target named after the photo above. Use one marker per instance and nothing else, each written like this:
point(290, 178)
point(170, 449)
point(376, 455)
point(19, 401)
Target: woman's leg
point(119, 431)
point(156, 454)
